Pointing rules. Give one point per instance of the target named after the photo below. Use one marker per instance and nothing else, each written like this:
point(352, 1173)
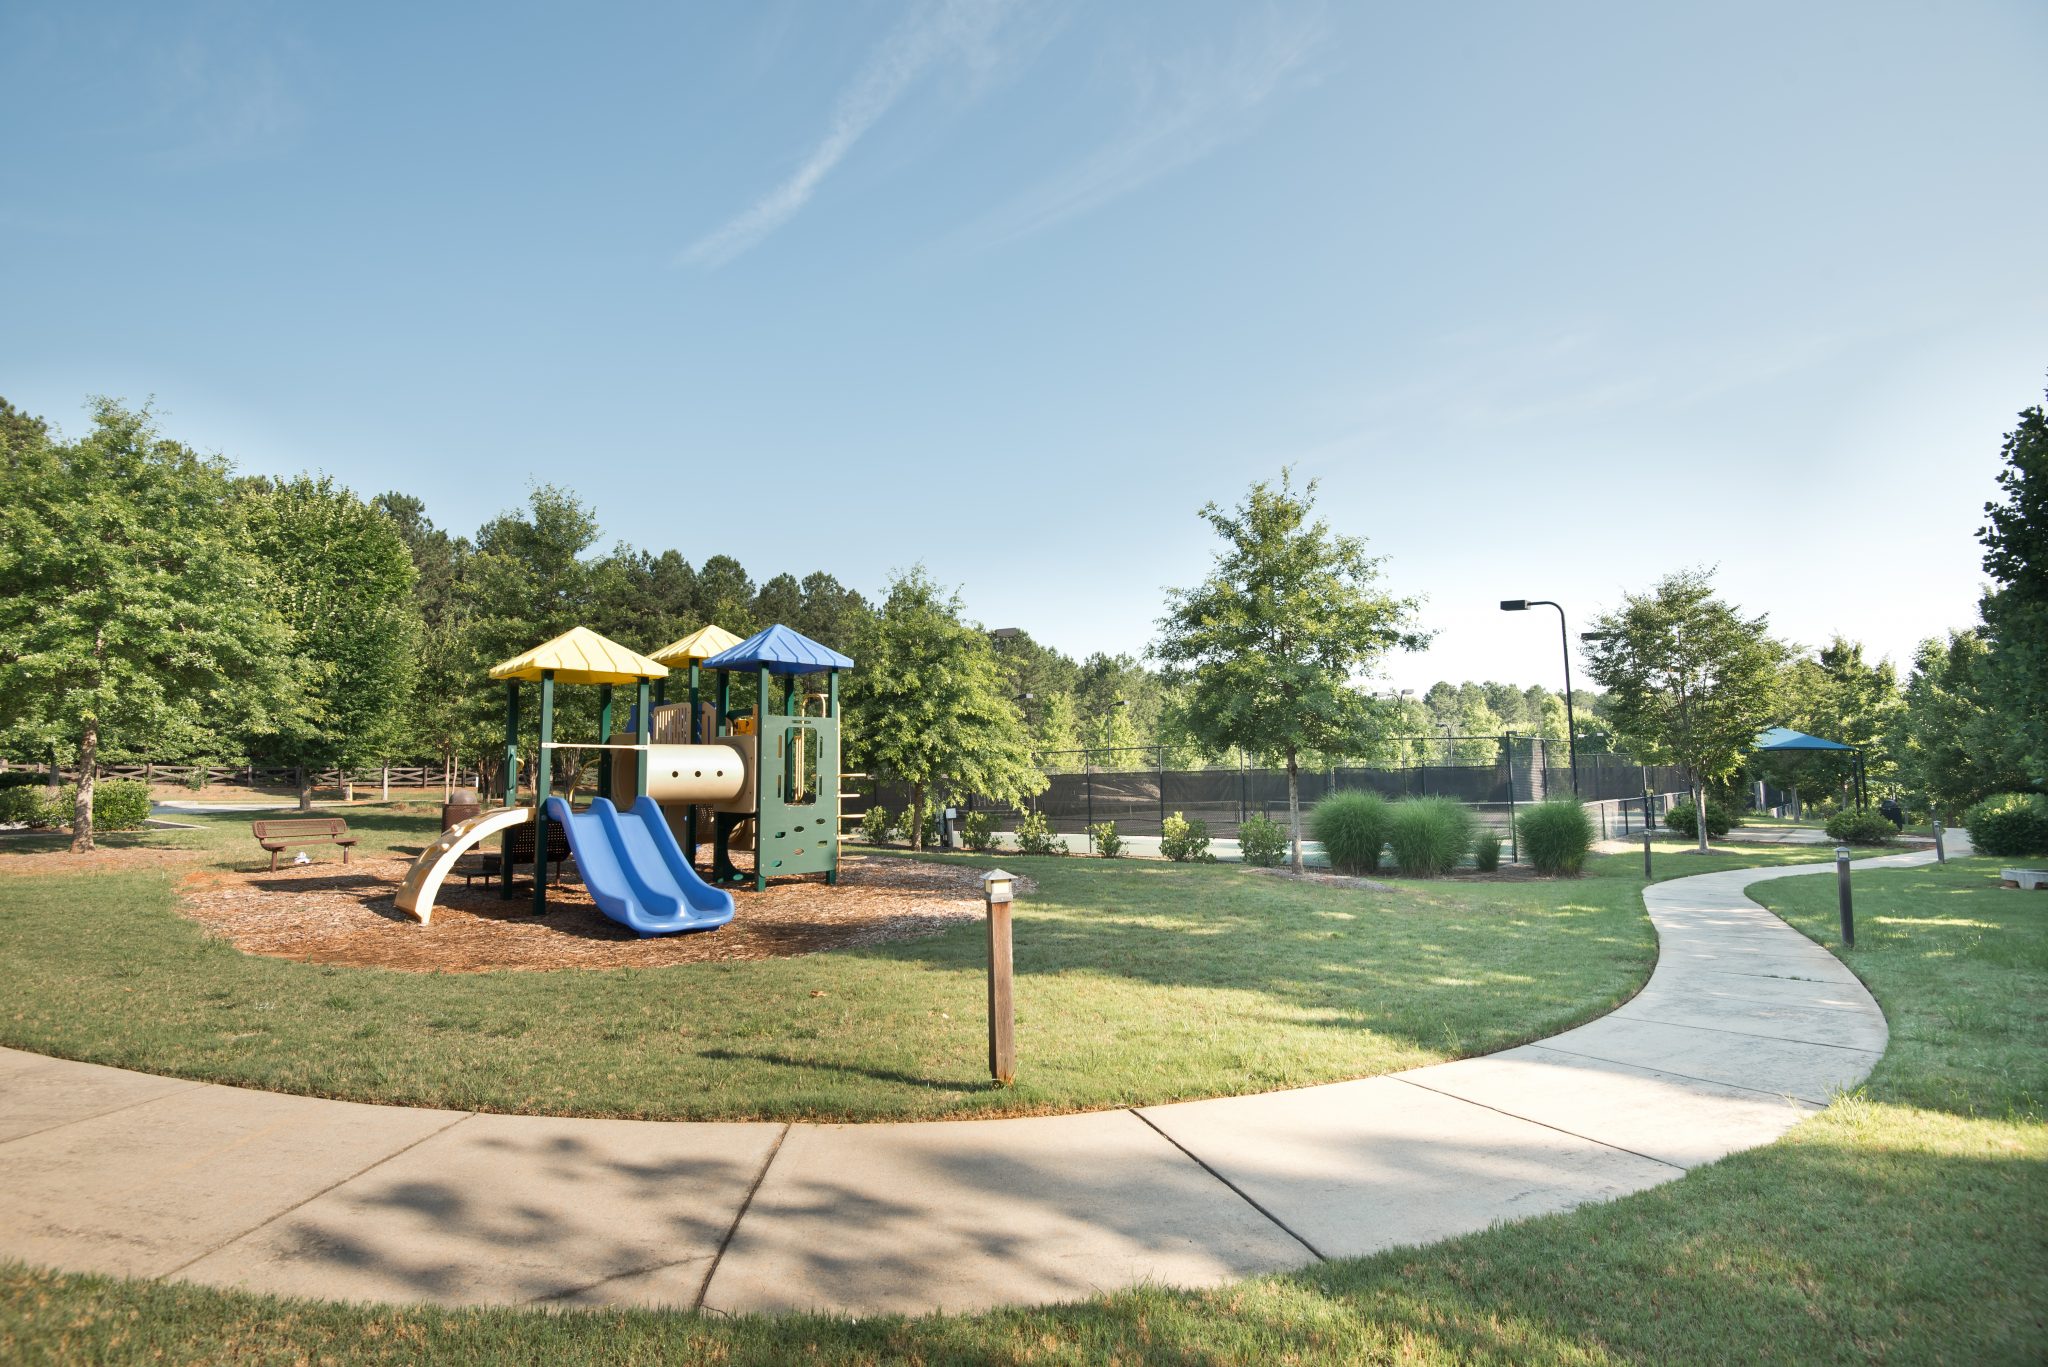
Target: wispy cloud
point(1188, 107)
point(940, 32)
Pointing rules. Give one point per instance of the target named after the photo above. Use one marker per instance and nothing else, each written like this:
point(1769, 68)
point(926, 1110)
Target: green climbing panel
point(799, 793)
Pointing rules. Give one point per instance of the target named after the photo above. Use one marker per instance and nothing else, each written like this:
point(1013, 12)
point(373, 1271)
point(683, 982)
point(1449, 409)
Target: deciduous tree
point(1271, 648)
point(132, 621)
point(1690, 680)
point(928, 704)
point(345, 582)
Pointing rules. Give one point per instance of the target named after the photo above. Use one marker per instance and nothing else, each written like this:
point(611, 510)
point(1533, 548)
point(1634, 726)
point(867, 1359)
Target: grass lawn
point(1138, 982)
point(1908, 1223)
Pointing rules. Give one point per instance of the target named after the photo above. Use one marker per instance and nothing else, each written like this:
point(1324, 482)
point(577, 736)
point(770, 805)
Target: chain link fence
point(1520, 769)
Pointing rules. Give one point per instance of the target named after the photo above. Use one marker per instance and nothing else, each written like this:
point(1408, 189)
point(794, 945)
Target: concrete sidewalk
point(1745, 1027)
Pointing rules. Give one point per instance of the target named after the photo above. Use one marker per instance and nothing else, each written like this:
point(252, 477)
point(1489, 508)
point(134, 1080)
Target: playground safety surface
point(330, 913)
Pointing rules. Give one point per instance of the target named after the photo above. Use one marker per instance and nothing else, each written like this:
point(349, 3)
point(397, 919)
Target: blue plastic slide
point(636, 872)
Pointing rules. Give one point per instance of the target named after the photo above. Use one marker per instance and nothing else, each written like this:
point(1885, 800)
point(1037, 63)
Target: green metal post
point(604, 737)
point(697, 737)
point(792, 690)
point(511, 784)
point(835, 825)
point(543, 772)
point(761, 714)
point(644, 736)
point(724, 701)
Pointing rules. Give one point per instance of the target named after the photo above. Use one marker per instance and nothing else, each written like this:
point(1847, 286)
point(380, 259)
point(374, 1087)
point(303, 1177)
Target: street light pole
point(1564, 636)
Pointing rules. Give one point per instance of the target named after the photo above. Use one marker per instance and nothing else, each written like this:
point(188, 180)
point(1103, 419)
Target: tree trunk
point(916, 816)
point(1294, 809)
point(1699, 812)
point(88, 771)
point(305, 789)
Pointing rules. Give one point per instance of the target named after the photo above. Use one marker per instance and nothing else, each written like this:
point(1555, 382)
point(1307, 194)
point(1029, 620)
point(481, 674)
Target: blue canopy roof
point(1785, 738)
point(780, 651)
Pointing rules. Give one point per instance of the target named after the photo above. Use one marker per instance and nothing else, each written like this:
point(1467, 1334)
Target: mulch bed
point(327, 913)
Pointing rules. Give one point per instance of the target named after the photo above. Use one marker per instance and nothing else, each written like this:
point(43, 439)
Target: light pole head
point(1514, 605)
point(998, 886)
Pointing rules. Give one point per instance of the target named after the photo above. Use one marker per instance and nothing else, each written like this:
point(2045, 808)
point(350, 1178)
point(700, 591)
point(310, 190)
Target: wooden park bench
point(279, 836)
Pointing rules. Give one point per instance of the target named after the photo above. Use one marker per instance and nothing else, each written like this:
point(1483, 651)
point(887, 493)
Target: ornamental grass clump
point(1429, 835)
point(1486, 851)
point(1556, 835)
point(1352, 829)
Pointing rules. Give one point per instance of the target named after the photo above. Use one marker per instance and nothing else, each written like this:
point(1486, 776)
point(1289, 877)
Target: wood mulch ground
point(325, 912)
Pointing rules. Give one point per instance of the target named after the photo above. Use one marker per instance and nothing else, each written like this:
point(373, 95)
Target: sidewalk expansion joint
point(101, 1115)
point(1540, 1124)
point(1672, 1072)
point(1749, 1034)
point(746, 1203)
point(549, 1296)
point(269, 1220)
point(1240, 1192)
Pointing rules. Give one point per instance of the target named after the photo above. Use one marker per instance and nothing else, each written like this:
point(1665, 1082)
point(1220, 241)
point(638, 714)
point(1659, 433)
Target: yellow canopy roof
point(581, 656)
point(700, 644)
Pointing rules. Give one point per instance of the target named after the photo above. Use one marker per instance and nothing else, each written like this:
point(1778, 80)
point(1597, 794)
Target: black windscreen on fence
point(1138, 801)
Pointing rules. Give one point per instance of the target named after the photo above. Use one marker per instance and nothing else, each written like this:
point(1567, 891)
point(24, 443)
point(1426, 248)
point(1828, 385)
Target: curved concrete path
point(1745, 1027)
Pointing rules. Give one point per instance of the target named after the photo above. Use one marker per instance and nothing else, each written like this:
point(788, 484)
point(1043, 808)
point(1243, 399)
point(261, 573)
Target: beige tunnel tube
point(705, 774)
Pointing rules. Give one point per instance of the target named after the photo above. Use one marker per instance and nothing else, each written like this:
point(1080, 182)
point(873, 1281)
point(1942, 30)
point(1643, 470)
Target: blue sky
point(1551, 299)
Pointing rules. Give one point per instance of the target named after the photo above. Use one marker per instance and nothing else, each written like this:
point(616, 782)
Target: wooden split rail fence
point(271, 776)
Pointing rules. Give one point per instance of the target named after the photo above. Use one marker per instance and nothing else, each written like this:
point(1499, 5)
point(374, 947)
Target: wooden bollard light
point(997, 888)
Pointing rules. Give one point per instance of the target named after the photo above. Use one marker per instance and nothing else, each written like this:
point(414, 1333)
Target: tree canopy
point(1689, 680)
point(2015, 539)
point(1272, 647)
point(132, 620)
point(929, 705)
point(345, 586)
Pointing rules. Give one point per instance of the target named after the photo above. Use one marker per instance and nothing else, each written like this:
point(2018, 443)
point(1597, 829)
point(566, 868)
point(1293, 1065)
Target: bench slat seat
point(278, 835)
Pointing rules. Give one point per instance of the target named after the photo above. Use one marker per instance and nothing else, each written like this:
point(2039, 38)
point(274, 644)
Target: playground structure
point(629, 844)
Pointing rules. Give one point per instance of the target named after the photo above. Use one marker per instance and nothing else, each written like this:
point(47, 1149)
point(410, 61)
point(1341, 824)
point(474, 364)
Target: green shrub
point(1184, 841)
point(1852, 827)
point(24, 778)
point(1720, 819)
point(23, 805)
point(2009, 824)
point(1429, 835)
point(1262, 841)
point(1352, 829)
point(1035, 835)
point(978, 832)
point(932, 812)
point(875, 826)
point(1556, 834)
point(118, 804)
point(1108, 843)
point(1486, 851)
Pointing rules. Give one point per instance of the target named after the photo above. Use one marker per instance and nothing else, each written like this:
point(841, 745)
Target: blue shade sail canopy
point(1785, 738)
point(780, 651)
